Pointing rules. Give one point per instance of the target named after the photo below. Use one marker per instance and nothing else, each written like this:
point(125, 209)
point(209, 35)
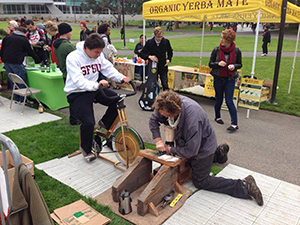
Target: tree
point(131, 7)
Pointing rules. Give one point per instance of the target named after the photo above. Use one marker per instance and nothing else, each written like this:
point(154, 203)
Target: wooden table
point(180, 77)
point(52, 87)
point(128, 69)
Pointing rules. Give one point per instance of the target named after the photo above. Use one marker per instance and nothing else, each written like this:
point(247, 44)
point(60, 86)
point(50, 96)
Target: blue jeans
point(20, 70)
point(225, 86)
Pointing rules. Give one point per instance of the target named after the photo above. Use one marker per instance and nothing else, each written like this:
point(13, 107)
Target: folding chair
point(21, 91)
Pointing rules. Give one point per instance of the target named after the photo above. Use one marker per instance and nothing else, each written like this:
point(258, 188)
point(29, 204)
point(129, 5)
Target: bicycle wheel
point(133, 141)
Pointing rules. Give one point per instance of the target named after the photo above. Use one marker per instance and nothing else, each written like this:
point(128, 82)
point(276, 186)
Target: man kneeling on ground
point(196, 141)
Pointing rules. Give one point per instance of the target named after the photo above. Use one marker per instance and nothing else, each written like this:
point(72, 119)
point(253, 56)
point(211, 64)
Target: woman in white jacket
point(83, 67)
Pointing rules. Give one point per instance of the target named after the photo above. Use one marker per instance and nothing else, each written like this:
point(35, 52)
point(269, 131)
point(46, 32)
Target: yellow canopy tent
point(219, 10)
point(223, 11)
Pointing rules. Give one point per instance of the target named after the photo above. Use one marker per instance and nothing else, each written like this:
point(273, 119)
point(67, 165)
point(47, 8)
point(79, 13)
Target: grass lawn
point(192, 44)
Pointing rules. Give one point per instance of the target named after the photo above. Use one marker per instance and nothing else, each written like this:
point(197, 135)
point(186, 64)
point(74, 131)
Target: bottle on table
point(195, 68)
point(41, 109)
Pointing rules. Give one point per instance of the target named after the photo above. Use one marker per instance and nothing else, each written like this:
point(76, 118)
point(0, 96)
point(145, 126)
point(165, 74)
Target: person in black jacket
point(14, 49)
point(266, 39)
point(224, 61)
point(84, 31)
point(156, 50)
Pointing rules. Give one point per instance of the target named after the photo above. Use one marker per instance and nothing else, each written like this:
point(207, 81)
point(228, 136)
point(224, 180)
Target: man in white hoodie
point(82, 88)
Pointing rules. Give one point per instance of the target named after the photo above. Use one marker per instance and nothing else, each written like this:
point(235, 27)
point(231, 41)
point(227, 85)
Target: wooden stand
point(160, 184)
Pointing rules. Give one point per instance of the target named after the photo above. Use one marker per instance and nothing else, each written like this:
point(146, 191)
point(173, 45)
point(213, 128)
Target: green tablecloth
point(52, 85)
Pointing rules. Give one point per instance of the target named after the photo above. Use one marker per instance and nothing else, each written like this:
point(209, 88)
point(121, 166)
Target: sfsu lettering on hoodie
point(96, 67)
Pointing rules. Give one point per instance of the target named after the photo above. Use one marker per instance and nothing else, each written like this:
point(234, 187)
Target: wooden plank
point(153, 210)
point(134, 177)
point(150, 154)
point(178, 188)
point(162, 183)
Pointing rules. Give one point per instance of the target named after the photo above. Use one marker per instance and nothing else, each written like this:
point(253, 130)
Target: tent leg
point(201, 50)
point(295, 55)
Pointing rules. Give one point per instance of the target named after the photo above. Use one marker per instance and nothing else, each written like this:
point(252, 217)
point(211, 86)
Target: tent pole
point(254, 52)
point(295, 55)
point(255, 44)
point(201, 50)
point(144, 42)
point(279, 51)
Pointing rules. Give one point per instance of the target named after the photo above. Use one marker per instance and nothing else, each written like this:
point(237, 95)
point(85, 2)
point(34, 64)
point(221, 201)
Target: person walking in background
point(52, 29)
point(62, 48)
point(84, 31)
point(157, 49)
point(196, 141)
point(14, 49)
point(266, 40)
point(224, 61)
point(211, 25)
point(122, 33)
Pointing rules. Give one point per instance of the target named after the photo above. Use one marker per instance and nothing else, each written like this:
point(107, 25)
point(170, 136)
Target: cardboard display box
point(78, 213)
point(269, 84)
point(11, 169)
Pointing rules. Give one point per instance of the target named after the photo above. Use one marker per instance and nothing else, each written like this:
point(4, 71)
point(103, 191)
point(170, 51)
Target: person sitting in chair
point(82, 88)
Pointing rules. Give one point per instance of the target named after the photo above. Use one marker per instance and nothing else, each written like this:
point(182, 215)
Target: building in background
point(63, 9)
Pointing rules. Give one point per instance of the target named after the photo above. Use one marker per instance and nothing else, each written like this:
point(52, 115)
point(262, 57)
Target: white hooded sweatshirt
point(83, 71)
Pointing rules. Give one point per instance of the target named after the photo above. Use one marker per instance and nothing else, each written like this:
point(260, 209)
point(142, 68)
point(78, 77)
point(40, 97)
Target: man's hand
point(126, 80)
point(160, 146)
point(104, 83)
point(167, 62)
point(153, 58)
point(33, 44)
point(222, 63)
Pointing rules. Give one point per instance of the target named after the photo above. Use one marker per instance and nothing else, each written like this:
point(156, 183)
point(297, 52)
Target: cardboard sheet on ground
point(106, 199)
point(78, 213)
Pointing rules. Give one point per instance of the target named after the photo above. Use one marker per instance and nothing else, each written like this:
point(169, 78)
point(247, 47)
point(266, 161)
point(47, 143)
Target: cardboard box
point(11, 167)
point(269, 84)
point(78, 213)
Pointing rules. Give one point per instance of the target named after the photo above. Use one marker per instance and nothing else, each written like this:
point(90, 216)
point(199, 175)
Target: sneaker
point(221, 153)
point(90, 157)
point(264, 54)
point(253, 190)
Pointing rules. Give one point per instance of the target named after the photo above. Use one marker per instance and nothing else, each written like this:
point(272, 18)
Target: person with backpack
point(38, 40)
point(225, 60)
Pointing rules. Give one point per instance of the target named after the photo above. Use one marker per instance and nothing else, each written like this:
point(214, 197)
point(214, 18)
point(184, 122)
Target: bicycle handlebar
point(119, 96)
